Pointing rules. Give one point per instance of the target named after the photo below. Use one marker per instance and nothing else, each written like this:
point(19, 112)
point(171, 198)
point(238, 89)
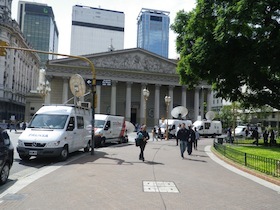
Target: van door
point(108, 130)
point(80, 133)
point(71, 134)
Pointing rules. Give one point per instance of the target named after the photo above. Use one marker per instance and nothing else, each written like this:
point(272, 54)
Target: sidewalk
point(114, 178)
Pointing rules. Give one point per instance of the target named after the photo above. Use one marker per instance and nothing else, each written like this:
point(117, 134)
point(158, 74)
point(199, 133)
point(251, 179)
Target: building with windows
point(19, 70)
point(96, 30)
point(153, 31)
point(38, 25)
point(121, 76)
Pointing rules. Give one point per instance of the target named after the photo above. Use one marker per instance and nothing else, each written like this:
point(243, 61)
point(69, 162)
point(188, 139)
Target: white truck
point(208, 127)
point(108, 129)
point(55, 131)
point(172, 126)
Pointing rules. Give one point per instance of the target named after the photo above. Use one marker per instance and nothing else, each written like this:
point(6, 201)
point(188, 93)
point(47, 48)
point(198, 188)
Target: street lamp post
point(167, 102)
point(146, 94)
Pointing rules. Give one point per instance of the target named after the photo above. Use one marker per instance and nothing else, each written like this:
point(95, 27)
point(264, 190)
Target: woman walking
point(143, 135)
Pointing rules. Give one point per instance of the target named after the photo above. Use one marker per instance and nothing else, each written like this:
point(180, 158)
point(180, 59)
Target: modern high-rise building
point(153, 31)
point(38, 24)
point(96, 30)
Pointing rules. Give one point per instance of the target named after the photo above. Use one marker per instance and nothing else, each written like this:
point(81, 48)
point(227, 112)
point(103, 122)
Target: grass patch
point(268, 152)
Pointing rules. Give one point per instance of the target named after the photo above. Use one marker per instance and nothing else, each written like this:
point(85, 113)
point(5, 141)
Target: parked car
point(240, 131)
point(6, 156)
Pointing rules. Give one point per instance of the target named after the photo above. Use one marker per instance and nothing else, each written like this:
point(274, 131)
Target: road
point(21, 169)
point(89, 182)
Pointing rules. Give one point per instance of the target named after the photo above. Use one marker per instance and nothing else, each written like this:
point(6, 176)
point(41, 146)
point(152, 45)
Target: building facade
point(37, 22)
point(19, 70)
point(121, 77)
point(153, 31)
point(96, 30)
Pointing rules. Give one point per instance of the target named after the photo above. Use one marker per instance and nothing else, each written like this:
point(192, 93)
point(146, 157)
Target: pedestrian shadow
point(203, 161)
point(152, 163)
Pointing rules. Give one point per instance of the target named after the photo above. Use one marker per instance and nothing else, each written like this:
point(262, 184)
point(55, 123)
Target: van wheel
point(24, 157)
point(87, 148)
point(4, 173)
point(64, 153)
point(102, 143)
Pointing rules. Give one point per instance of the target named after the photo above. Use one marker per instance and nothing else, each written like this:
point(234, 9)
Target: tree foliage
point(234, 46)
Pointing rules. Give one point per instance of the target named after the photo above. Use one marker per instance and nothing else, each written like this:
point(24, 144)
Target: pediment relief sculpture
point(134, 61)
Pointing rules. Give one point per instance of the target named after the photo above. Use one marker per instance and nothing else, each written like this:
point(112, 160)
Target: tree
point(234, 46)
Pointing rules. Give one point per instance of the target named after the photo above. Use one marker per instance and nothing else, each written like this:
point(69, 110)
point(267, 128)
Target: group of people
point(272, 138)
point(157, 133)
point(186, 135)
point(255, 135)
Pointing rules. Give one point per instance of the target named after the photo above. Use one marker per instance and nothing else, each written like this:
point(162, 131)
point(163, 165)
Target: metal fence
point(265, 165)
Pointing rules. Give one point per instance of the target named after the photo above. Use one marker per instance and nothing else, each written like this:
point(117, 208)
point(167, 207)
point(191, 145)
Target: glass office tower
point(37, 23)
point(153, 31)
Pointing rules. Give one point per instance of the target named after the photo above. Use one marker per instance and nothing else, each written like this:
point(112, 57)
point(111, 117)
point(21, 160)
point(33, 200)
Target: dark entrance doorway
point(133, 115)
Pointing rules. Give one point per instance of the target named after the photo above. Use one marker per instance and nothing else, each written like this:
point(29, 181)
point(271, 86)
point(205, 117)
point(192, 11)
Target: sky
point(62, 10)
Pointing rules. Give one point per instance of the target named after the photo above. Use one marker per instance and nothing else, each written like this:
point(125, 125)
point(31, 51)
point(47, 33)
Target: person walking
point(159, 133)
point(229, 135)
point(272, 141)
point(265, 137)
point(183, 136)
point(176, 133)
point(143, 141)
point(255, 135)
point(191, 139)
point(196, 138)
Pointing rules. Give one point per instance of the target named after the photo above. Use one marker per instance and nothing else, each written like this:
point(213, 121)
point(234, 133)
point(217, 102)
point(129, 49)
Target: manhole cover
point(159, 186)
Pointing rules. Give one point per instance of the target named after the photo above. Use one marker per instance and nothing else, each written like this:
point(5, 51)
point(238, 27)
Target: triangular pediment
point(135, 59)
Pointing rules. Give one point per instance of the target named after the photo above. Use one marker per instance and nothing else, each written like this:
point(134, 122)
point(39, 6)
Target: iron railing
point(265, 165)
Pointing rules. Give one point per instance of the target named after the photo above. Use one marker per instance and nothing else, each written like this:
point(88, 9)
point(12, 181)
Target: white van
point(108, 129)
point(172, 126)
point(208, 128)
point(240, 131)
point(56, 131)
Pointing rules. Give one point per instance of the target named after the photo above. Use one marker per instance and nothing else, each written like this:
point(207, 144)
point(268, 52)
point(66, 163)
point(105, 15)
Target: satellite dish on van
point(129, 127)
point(210, 115)
point(179, 112)
point(77, 85)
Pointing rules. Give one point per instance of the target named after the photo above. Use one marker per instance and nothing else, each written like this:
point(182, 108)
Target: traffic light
point(2, 48)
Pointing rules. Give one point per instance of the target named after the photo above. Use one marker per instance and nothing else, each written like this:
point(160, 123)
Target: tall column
point(196, 103)
point(128, 101)
point(170, 93)
point(209, 99)
point(113, 98)
point(98, 96)
point(184, 96)
point(202, 103)
point(65, 88)
point(156, 104)
point(142, 105)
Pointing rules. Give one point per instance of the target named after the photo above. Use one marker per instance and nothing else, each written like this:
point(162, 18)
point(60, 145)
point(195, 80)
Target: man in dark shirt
point(183, 135)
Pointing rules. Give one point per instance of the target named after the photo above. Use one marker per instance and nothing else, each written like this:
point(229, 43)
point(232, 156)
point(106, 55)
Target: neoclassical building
point(121, 77)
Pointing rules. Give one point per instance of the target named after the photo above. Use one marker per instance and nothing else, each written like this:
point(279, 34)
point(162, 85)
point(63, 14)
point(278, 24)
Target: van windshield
point(99, 123)
point(48, 121)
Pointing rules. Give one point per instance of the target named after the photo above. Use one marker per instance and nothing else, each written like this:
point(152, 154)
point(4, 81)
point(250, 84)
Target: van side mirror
point(106, 127)
point(70, 127)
